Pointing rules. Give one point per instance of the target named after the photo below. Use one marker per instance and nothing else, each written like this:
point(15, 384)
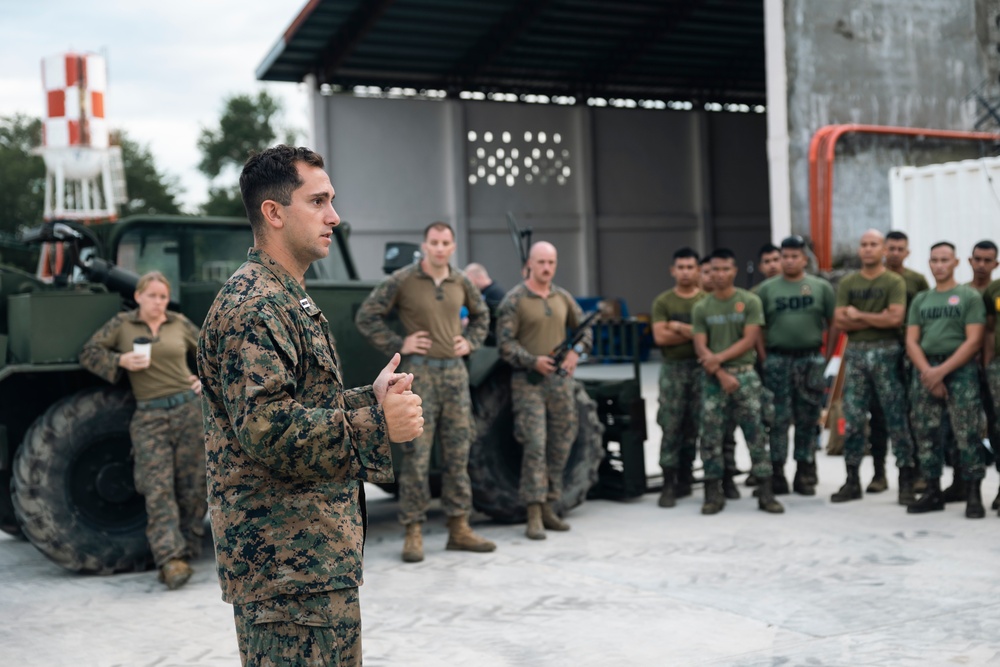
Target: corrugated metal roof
point(702, 50)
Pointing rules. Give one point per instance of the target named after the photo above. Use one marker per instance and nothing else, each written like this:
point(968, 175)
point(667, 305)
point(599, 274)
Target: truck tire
point(495, 457)
point(73, 491)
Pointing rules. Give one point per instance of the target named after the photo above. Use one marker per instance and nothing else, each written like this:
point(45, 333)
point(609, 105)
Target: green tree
point(149, 191)
point(248, 123)
point(22, 174)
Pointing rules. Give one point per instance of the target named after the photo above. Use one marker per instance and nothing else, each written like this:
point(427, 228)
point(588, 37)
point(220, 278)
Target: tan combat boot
point(461, 537)
point(413, 547)
point(535, 529)
point(551, 520)
point(175, 573)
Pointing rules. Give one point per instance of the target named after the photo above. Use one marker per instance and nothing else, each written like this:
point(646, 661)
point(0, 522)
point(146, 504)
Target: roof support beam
point(499, 38)
point(351, 33)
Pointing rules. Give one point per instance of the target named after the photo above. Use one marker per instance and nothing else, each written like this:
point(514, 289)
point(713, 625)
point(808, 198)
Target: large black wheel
point(495, 458)
point(73, 490)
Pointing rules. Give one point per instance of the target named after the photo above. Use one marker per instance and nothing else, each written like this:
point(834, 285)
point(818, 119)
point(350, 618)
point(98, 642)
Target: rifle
point(521, 239)
point(558, 354)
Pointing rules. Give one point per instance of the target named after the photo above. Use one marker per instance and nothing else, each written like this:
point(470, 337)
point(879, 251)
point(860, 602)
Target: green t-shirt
point(723, 322)
point(915, 284)
point(942, 317)
point(872, 296)
point(796, 313)
point(991, 298)
point(669, 306)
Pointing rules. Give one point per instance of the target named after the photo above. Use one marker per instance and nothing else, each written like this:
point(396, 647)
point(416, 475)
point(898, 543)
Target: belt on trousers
point(887, 343)
point(744, 368)
point(420, 360)
point(165, 402)
point(936, 359)
point(808, 352)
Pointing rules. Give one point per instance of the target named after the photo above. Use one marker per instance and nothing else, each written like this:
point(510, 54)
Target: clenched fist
point(404, 418)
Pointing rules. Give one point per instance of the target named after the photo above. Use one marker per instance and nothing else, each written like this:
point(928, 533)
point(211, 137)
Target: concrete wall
point(616, 190)
point(878, 62)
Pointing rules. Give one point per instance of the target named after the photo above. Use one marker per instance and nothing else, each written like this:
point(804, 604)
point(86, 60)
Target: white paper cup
point(145, 349)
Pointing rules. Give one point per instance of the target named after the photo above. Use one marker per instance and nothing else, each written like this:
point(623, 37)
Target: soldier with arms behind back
point(288, 446)
point(532, 321)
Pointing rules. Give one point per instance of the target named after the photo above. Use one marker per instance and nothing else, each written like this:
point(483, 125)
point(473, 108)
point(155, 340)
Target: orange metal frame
point(822, 151)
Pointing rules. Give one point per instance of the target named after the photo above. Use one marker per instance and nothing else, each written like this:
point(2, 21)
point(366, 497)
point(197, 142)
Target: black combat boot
point(778, 482)
point(667, 498)
point(729, 489)
point(765, 497)
point(714, 500)
point(879, 482)
point(811, 472)
point(974, 503)
point(996, 501)
point(907, 496)
point(751, 480)
point(803, 484)
point(684, 481)
point(931, 501)
point(957, 492)
point(851, 490)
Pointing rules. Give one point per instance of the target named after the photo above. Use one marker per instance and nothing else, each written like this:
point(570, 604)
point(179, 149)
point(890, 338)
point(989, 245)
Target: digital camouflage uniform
point(723, 322)
point(167, 440)
point(942, 318)
point(873, 362)
point(440, 379)
point(796, 314)
point(991, 298)
point(288, 448)
point(878, 435)
point(680, 386)
point(545, 415)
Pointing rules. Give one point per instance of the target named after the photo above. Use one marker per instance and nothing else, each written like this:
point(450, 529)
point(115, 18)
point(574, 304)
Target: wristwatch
point(578, 348)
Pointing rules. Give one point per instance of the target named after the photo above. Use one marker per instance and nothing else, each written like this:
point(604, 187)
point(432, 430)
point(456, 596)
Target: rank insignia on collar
point(308, 306)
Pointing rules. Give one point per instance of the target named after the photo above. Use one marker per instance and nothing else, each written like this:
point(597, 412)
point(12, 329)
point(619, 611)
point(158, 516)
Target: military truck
point(65, 453)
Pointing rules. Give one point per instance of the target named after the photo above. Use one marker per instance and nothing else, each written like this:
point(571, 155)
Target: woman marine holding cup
point(152, 346)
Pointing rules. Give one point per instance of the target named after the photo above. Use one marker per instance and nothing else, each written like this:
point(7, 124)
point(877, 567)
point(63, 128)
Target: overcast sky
point(170, 64)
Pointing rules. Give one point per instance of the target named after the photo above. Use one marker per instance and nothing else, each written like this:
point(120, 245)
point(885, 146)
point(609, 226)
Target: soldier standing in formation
point(726, 326)
point(532, 321)
point(429, 295)
point(983, 263)
point(288, 446)
point(991, 362)
point(871, 304)
point(680, 376)
point(798, 309)
point(944, 334)
point(166, 429)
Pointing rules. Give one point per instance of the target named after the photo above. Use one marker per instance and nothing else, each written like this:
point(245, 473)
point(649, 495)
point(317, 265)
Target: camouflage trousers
point(964, 405)
point(993, 425)
point(168, 445)
point(797, 384)
point(545, 423)
point(317, 630)
point(744, 408)
point(872, 370)
point(447, 408)
point(679, 412)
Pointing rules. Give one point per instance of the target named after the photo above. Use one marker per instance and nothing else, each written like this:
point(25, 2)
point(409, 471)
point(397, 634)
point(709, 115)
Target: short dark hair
point(940, 244)
point(724, 253)
point(985, 245)
point(684, 253)
point(765, 249)
point(897, 236)
point(707, 259)
point(441, 226)
point(793, 243)
point(272, 174)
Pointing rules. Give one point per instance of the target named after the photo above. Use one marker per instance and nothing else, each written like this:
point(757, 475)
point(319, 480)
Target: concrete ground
point(860, 583)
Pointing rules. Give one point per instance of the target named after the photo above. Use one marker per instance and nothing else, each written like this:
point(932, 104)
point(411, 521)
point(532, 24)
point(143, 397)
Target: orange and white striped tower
point(79, 183)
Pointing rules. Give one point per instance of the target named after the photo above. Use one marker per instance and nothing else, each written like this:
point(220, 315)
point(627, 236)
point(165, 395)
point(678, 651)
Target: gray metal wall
point(616, 190)
point(879, 62)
